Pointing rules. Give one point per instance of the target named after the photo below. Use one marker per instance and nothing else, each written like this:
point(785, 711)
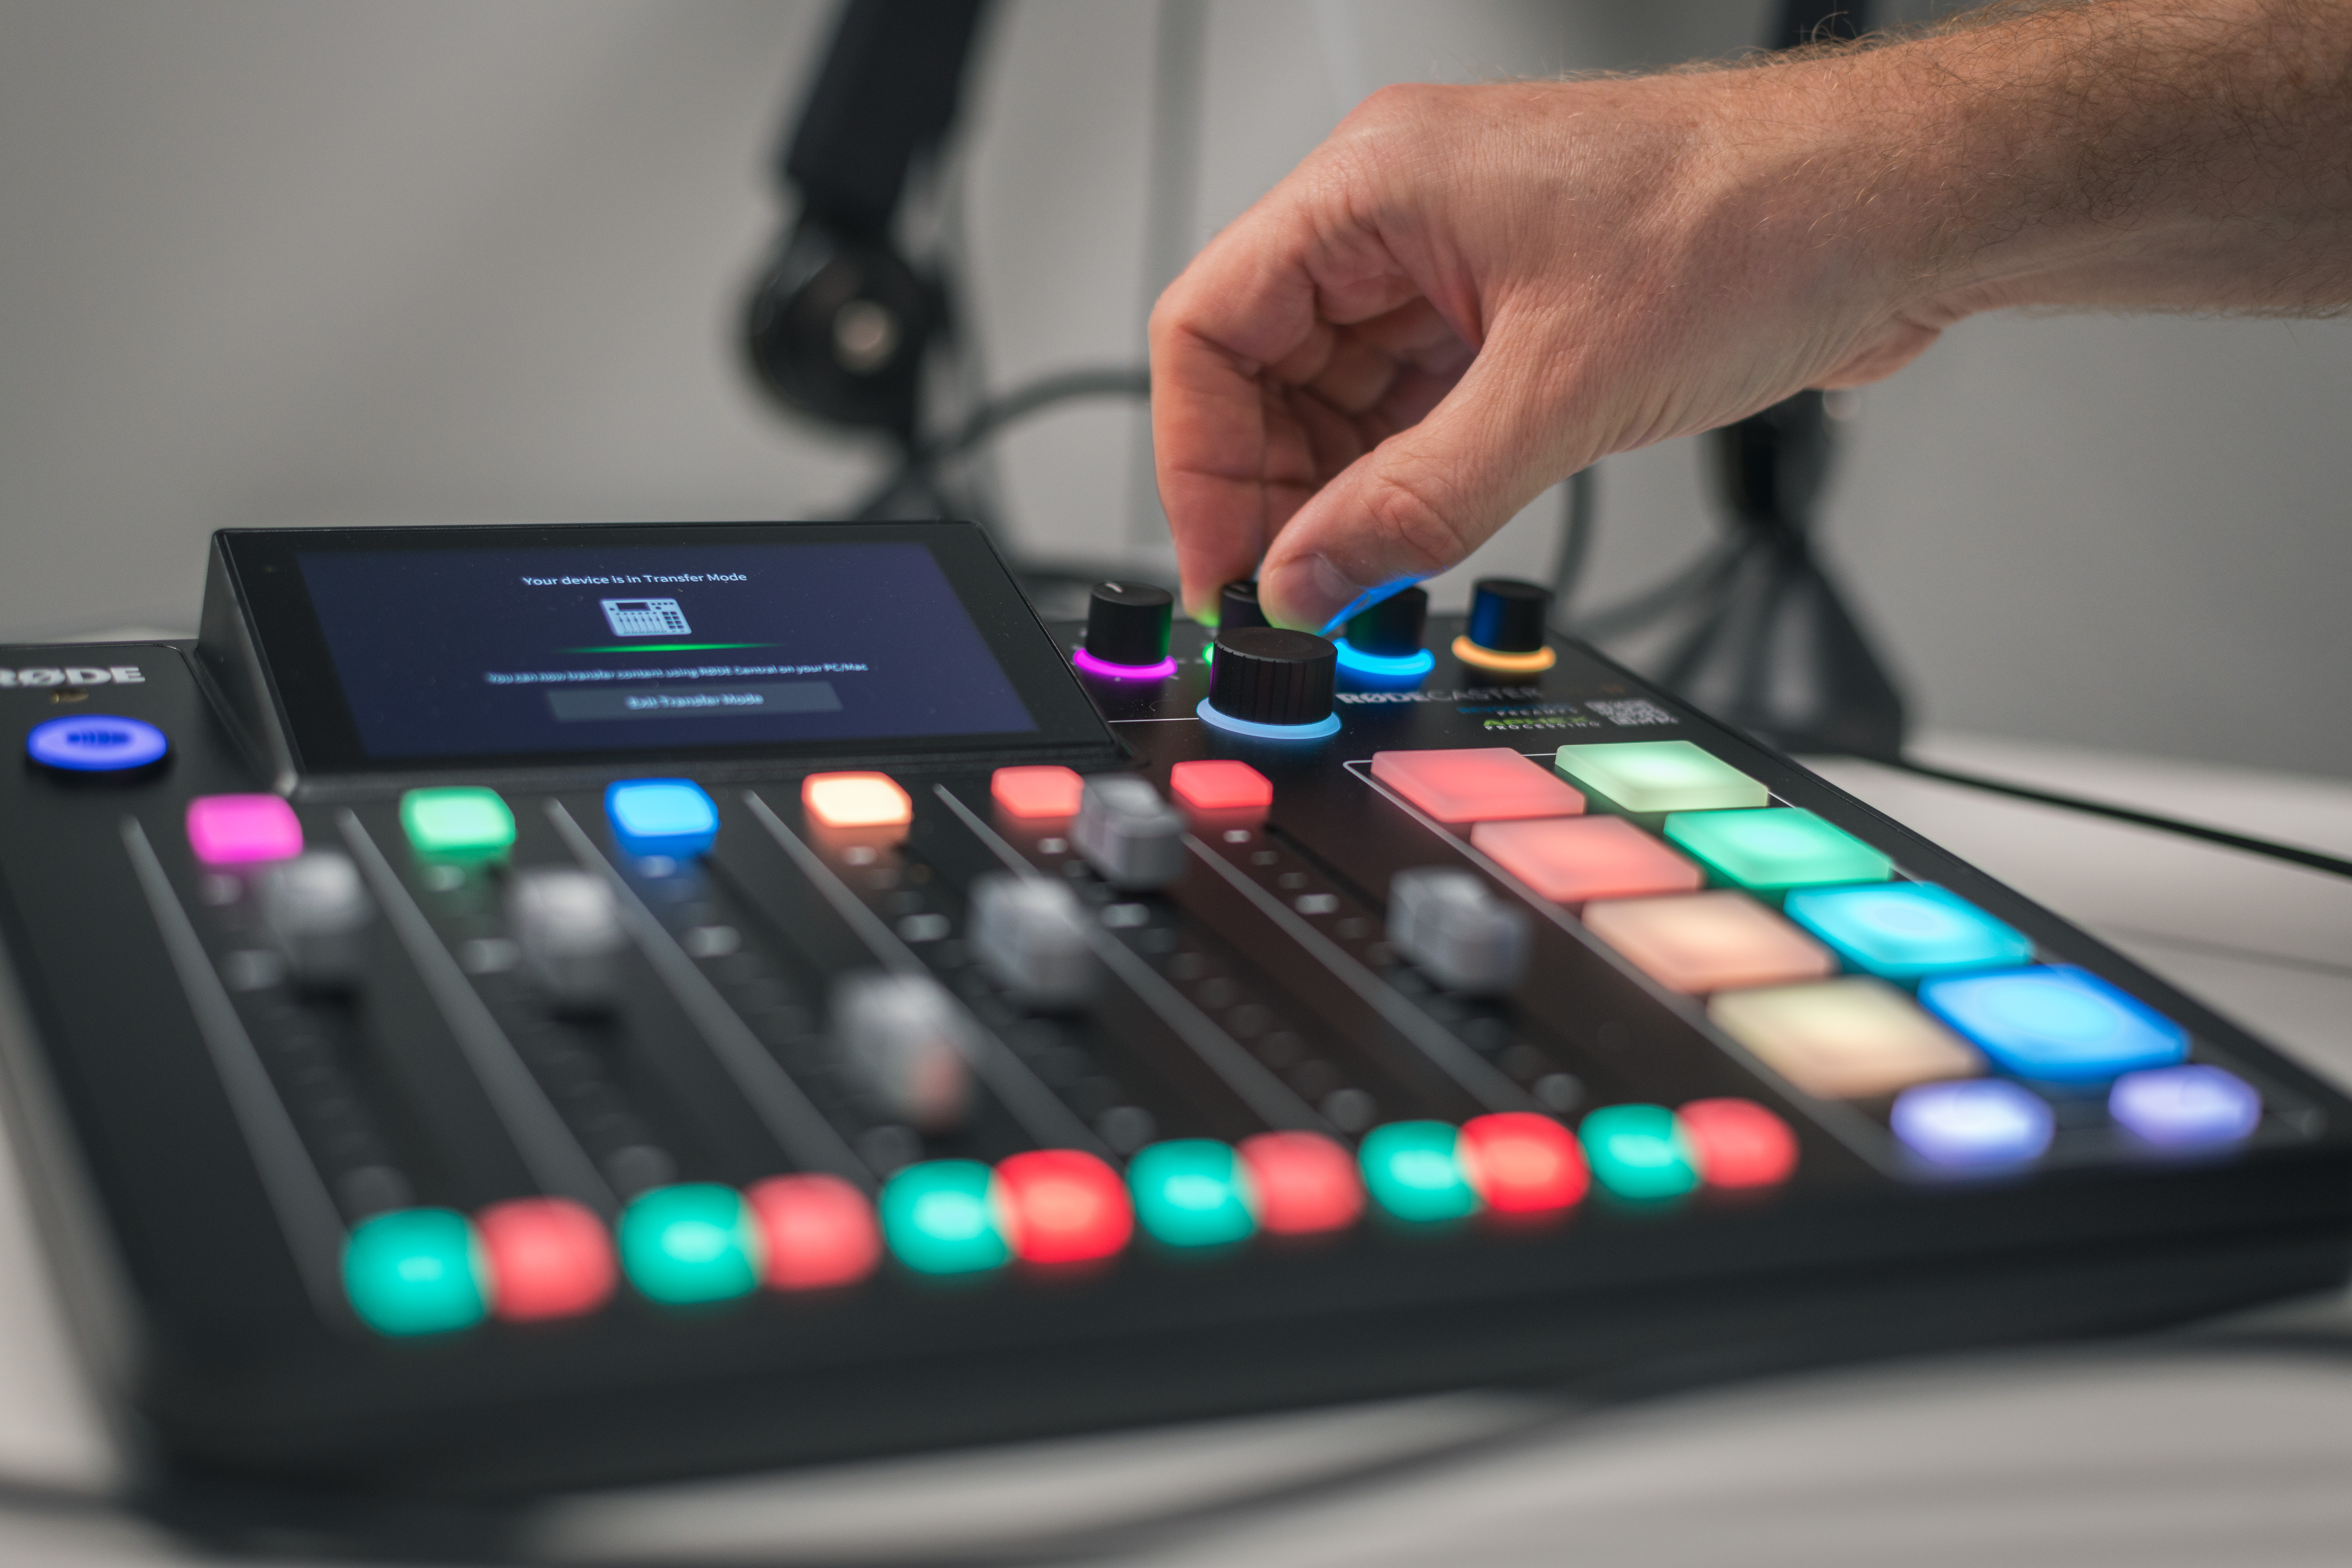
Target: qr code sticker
point(1631, 711)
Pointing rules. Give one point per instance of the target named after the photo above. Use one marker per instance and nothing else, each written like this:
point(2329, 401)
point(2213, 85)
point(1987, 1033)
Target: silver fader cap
point(906, 1043)
point(1031, 934)
point(317, 912)
point(1452, 927)
point(568, 929)
point(1130, 836)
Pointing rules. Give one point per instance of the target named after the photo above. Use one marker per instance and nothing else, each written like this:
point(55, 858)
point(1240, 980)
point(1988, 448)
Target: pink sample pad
point(1487, 783)
point(243, 829)
point(1697, 942)
point(1572, 860)
point(1220, 786)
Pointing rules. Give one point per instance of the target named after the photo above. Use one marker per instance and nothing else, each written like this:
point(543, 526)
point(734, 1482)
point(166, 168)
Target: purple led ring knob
point(1127, 632)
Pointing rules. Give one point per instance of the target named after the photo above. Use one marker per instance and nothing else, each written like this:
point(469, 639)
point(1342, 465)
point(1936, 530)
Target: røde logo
point(74, 675)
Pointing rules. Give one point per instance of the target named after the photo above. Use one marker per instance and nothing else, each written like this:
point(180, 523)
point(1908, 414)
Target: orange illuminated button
point(1220, 786)
point(1063, 1207)
point(856, 800)
point(1523, 1163)
point(1036, 791)
point(1306, 1183)
point(1572, 860)
point(1485, 784)
point(1697, 942)
point(1739, 1142)
point(550, 1257)
point(820, 1230)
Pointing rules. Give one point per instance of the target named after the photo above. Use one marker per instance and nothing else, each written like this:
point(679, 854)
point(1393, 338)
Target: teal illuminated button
point(1777, 847)
point(1639, 1151)
point(1646, 777)
point(2058, 1024)
point(416, 1272)
point(694, 1242)
point(943, 1217)
point(1192, 1192)
point(1413, 1169)
point(1903, 930)
point(461, 821)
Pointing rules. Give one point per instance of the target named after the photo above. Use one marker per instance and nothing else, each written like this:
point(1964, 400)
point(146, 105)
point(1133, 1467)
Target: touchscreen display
point(613, 648)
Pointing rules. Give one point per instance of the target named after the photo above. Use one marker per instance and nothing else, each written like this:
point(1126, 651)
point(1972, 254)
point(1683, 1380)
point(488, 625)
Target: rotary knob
point(1237, 606)
point(1508, 620)
point(1269, 678)
point(1126, 629)
point(1392, 628)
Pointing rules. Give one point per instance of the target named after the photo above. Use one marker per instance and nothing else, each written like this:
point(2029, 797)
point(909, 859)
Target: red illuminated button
point(856, 800)
point(1220, 786)
point(1306, 1183)
point(1036, 791)
point(550, 1257)
point(1483, 784)
point(1739, 1142)
point(1572, 860)
point(1523, 1163)
point(820, 1231)
point(1063, 1207)
point(243, 829)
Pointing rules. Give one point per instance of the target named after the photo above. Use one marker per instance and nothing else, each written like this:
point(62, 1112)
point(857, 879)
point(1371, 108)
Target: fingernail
point(1312, 590)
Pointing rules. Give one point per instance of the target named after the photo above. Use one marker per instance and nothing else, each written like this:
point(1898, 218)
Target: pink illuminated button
point(1572, 860)
point(1306, 1183)
point(550, 1257)
point(1036, 791)
point(1739, 1142)
point(1523, 1163)
point(856, 800)
point(1063, 1205)
point(820, 1230)
point(243, 829)
point(1220, 786)
point(1695, 942)
point(1482, 784)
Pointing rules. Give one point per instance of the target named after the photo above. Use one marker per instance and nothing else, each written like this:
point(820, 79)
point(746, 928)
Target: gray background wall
point(267, 263)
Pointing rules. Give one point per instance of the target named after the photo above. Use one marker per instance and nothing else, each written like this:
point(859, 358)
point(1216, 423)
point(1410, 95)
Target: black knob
point(1507, 615)
point(1393, 628)
point(1265, 676)
point(1237, 606)
point(1126, 623)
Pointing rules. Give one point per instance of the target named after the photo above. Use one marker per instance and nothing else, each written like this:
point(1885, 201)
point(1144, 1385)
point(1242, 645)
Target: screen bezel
point(322, 734)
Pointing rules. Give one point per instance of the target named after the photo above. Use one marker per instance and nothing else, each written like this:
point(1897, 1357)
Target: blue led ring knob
point(96, 744)
point(1267, 676)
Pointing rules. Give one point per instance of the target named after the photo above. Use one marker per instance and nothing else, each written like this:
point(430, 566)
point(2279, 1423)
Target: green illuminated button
point(1647, 777)
point(1192, 1192)
point(462, 822)
point(942, 1217)
point(694, 1242)
point(1780, 847)
point(416, 1272)
point(1413, 1169)
point(1639, 1151)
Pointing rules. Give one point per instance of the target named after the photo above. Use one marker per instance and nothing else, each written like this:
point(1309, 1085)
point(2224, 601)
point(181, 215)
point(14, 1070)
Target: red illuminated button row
point(1210, 785)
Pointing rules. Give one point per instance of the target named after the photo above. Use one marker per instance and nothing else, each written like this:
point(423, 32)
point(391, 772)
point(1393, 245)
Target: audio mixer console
point(519, 1008)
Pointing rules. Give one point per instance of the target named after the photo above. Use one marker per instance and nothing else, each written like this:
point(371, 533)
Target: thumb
point(1422, 500)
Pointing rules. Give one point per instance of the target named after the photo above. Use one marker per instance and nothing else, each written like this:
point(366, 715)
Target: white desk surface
point(2230, 1444)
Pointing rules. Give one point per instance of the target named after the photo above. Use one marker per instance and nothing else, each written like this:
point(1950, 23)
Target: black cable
point(2310, 859)
point(1064, 386)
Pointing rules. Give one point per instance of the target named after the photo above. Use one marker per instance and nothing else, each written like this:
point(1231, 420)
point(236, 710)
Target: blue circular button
point(96, 744)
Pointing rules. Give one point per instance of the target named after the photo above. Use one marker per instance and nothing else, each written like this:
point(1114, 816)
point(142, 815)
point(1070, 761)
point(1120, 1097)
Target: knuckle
point(1407, 512)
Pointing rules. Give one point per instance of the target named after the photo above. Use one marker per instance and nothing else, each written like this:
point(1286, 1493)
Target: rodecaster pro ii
point(519, 1008)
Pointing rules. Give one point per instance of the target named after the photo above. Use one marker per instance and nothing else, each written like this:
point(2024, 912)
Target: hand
point(1468, 293)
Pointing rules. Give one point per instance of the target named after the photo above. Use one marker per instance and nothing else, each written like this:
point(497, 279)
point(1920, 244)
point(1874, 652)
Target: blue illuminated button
point(96, 744)
point(661, 817)
point(2186, 1106)
point(1903, 930)
point(2059, 1024)
point(1974, 1122)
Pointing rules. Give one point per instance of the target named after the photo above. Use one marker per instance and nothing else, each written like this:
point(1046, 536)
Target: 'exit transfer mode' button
point(694, 701)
